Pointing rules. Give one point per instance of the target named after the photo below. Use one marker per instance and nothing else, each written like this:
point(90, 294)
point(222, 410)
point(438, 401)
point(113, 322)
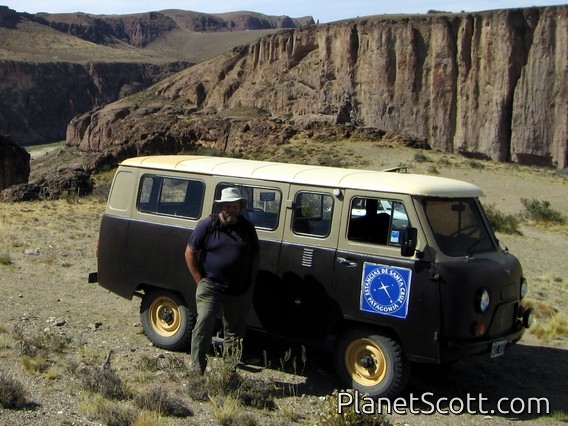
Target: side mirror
point(408, 247)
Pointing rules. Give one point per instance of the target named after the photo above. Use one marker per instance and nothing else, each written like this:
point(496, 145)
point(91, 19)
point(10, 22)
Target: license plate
point(498, 348)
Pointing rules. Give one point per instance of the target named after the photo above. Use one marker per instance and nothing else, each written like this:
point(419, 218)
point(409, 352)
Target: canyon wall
point(490, 84)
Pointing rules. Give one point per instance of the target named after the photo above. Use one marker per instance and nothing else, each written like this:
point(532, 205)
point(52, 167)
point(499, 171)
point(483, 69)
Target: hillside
point(55, 66)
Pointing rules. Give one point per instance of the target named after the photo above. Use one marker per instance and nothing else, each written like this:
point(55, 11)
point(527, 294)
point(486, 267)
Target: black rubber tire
point(371, 363)
point(166, 319)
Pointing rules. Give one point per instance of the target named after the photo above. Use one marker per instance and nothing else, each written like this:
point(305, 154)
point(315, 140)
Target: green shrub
point(5, 259)
point(541, 211)
point(501, 222)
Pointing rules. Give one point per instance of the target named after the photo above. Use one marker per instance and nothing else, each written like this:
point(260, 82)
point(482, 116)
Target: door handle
point(346, 262)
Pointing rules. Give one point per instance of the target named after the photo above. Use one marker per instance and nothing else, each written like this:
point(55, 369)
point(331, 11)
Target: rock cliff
point(489, 84)
point(37, 100)
point(55, 66)
point(14, 163)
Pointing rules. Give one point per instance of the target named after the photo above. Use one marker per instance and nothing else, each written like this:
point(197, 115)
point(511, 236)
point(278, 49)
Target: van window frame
point(469, 234)
point(359, 236)
point(156, 197)
point(301, 220)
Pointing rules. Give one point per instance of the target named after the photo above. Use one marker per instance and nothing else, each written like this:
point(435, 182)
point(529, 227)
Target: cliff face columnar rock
point(490, 84)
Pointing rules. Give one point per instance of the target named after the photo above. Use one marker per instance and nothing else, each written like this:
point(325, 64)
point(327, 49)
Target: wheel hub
point(367, 361)
point(167, 315)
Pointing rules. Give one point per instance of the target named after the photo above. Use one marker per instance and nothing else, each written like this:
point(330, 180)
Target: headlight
point(524, 287)
point(483, 300)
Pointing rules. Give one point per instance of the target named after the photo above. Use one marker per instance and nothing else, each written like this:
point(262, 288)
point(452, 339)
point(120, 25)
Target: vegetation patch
point(13, 395)
point(42, 344)
point(501, 222)
point(542, 211)
point(550, 322)
point(329, 415)
point(161, 400)
point(107, 383)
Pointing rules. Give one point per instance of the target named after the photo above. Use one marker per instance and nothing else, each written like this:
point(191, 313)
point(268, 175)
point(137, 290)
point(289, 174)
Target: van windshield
point(458, 226)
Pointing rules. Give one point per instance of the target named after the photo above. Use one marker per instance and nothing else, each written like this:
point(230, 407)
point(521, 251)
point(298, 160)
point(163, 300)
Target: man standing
point(222, 256)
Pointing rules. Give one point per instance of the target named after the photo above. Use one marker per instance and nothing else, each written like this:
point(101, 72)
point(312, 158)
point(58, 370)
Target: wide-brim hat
point(229, 195)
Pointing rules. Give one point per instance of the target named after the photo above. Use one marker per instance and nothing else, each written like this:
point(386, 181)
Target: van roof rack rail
point(399, 169)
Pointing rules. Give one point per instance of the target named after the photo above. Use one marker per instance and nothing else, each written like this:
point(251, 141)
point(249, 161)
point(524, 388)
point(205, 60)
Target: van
point(382, 268)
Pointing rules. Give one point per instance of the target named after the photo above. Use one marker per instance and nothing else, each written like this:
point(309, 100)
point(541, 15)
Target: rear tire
point(371, 363)
point(166, 319)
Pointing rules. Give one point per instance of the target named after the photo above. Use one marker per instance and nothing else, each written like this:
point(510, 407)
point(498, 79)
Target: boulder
point(14, 163)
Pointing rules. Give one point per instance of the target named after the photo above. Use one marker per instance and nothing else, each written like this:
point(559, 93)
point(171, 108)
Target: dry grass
point(40, 43)
point(49, 288)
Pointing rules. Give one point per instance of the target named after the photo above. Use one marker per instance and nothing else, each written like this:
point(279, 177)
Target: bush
point(110, 413)
point(501, 222)
point(12, 393)
point(106, 383)
point(541, 211)
point(42, 344)
point(5, 259)
point(330, 416)
point(160, 400)
point(419, 157)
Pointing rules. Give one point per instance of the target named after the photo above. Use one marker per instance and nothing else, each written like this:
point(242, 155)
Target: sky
point(321, 10)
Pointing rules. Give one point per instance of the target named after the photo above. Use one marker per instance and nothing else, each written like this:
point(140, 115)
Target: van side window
point(377, 221)
point(262, 207)
point(312, 214)
point(171, 196)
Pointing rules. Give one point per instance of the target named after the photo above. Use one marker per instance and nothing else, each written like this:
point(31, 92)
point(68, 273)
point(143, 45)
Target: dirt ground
point(51, 246)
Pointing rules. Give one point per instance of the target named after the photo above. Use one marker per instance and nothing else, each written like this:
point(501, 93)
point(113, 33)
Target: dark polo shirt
point(226, 253)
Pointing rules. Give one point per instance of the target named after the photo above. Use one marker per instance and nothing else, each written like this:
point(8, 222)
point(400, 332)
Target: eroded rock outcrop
point(489, 84)
point(63, 182)
point(14, 163)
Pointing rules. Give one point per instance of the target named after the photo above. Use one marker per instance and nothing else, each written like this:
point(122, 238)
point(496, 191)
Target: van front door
point(376, 286)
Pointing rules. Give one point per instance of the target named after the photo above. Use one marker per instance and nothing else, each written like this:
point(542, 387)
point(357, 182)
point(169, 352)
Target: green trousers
point(209, 302)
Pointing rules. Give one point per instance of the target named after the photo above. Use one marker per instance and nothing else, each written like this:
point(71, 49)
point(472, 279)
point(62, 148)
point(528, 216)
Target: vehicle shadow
point(526, 376)
point(527, 382)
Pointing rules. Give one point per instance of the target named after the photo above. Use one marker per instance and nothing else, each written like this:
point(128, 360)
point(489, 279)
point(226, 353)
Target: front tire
point(166, 319)
point(371, 363)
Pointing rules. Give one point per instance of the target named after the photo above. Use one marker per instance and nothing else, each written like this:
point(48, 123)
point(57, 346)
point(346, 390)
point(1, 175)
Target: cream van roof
point(334, 177)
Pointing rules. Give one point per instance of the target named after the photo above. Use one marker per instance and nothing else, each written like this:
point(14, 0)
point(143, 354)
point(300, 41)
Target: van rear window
point(171, 196)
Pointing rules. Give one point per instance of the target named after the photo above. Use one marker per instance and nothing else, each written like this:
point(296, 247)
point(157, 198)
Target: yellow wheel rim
point(365, 362)
point(165, 316)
